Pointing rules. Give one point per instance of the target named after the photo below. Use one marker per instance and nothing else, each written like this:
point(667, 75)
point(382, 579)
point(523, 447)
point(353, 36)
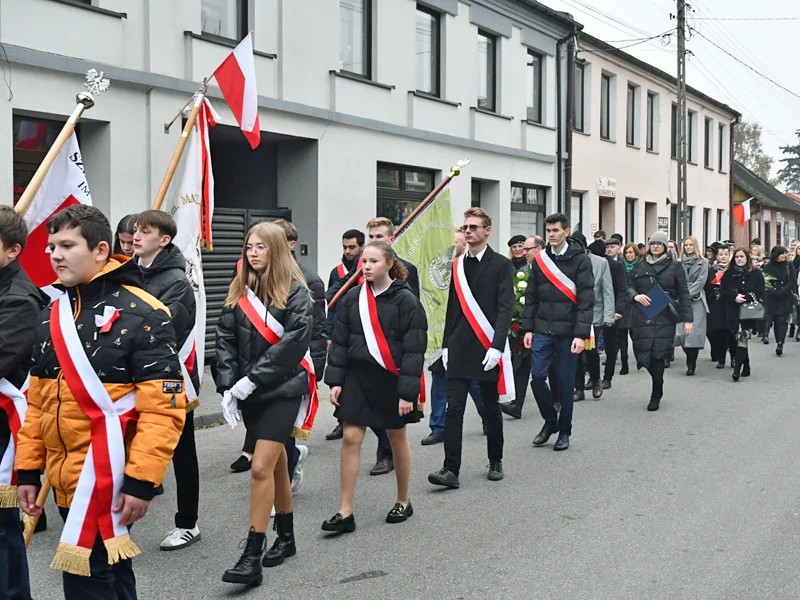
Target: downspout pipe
point(564, 130)
point(734, 123)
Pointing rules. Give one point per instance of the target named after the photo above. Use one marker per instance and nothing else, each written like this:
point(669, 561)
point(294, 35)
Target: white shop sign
point(607, 187)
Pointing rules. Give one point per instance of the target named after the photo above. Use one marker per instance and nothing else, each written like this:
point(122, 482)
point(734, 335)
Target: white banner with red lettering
point(14, 403)
point(481, 326)
point(103, 471)
point(272, 331)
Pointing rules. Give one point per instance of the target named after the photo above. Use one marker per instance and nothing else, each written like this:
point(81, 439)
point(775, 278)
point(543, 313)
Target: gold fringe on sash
point(8, 496)
point(121, 548)
point(72, 559)
point(589, 344)
point(300, 433)
point(190, 406)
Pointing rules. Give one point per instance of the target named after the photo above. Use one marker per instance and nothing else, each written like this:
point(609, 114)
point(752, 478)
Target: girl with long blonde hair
point(262, 336)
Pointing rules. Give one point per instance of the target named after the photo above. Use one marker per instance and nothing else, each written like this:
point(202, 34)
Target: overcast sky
point(771, 47)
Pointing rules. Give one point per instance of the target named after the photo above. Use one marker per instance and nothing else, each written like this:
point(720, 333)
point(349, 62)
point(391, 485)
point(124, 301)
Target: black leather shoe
point(495, 470)
point(511, 409)
point(241, 464)
point(779, 349)
point(398, 514)
point(444, 478)
point(336, 434)
point(382, 467)
point(339, 524)
point(562, 443)
point(721, 364)
point(654, 404)
point(543, 436)
point(284, 546)
point(690, 371)
point(746, 369)
point(606, 384)
point(248, 569)
point(432, 439)
point(624, 369)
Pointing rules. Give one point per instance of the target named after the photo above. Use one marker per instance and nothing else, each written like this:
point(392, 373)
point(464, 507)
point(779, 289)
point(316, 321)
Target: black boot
point(248, 569)
point(745, 363)
point(691, 365)
point(779, 349)
point(624, 370)
point(791, 331)
point(737, 364)
point(284, 546)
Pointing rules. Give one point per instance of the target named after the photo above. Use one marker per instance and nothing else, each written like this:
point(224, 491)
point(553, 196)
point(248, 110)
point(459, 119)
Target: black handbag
point(752, 311)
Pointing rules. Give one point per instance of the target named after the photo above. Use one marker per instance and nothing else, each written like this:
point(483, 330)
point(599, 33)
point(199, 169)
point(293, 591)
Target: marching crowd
point(97, 386)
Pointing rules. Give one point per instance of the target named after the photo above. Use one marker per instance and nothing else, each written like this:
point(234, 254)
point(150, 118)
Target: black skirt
point(272, 420)
point(369, 398)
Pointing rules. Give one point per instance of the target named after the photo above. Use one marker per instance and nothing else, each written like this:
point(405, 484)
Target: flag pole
point(176, 155)
point(30, 522)
point(455, 171)
point(96, 83)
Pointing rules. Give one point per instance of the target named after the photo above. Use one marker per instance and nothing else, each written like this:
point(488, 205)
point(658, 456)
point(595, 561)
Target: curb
point(207, 420)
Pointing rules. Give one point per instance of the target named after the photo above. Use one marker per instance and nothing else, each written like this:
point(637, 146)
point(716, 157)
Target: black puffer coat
point(739, 281)
point(243, 351)
point(547, 310)
point(716, 305)
point(319, 337)
point(404, 325)
point(653, 339)
point(166, 280)
point(779, 297)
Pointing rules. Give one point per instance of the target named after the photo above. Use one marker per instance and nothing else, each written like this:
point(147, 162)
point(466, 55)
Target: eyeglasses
point(656, 244)
point(530, 248)
point(471, 227)
point(257, 249)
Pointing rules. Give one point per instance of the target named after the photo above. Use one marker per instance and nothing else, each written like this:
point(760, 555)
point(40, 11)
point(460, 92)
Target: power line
point(747, 18)
point(666, 35)
point(744, 64)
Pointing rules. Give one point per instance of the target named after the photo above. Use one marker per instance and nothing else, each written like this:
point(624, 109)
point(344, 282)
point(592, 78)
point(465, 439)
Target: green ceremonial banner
point(428, 244)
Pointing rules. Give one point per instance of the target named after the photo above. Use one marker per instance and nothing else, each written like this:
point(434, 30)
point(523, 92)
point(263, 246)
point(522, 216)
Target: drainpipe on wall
point(734, 123)
point(562, 204)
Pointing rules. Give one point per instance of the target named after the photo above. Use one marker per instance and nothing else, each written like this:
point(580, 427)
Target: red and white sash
point(556, 276)
point(186, 356)
point(14, 403)
point(481, 326)
point(272, 331)
point(376, 340)
point(341, 270)
point(100, 482)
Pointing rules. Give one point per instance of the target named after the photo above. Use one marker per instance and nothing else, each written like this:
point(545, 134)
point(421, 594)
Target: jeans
point(457, 390)
point(439, 400)
point(292, 453)
point(187, 477)
point(612, 337)
point(107, 582)
point(14, 579)
point(546, 350)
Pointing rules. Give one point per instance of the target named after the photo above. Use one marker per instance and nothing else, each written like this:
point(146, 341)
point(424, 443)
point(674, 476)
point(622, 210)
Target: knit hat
point(517, 239)
point(660, 237)
point(598, 248)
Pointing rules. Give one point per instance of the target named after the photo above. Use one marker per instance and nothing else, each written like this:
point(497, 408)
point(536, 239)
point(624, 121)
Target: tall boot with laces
point(284, 546)
point(248, 568)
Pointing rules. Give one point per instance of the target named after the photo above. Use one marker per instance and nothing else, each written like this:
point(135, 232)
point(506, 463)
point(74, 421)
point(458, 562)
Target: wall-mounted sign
point(778, 216)
point(595, 227)
point(663, 224)
point(767, 214)
point(607, 187)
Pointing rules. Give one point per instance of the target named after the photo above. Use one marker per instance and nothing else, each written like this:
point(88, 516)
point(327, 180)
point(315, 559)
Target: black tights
point(691, 356)
point(656, 370)
point(781, 324)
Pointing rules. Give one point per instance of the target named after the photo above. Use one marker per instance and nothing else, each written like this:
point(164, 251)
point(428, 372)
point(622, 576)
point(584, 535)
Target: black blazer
point(492, 286)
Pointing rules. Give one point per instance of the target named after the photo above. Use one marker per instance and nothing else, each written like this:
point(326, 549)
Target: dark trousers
point(107, 582)
point(522, 374)
point(14, 579)
point(292, 453)
point(439, 400)
point(781, 324)
point(384, 445)
point(612, 336)
point(588, 360)
point(656, 370)
point(722, 343)
point(187, 477)
point(691, 356)
point(623, 343)
point(457, 390)
point(548, 349)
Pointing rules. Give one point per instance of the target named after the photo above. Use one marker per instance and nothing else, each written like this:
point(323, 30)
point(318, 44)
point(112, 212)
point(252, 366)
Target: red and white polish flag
point(236, 77)
point(64, 185)
point(741, 212)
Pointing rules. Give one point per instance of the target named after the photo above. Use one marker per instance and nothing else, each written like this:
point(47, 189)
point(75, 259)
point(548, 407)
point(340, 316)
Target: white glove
point(444, 358)
point(242, 388)
point(229, 409)
point(491, 359)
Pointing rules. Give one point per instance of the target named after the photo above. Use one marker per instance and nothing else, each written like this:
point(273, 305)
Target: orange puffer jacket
point(137, 354)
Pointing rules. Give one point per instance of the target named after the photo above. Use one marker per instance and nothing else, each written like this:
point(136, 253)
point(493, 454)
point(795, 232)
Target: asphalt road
point(696, 501)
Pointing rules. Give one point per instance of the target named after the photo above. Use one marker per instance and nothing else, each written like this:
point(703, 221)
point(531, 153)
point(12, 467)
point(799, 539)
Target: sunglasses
point(471, 227)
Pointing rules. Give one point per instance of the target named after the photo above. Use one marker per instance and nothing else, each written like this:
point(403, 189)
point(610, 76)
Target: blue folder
point(659, 300)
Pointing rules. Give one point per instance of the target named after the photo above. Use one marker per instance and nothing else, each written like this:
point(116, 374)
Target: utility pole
point(683, 148)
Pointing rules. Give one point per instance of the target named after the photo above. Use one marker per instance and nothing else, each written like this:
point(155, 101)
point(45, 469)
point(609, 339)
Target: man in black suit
point(489, 279)
point(619, 280)
point(381, 229)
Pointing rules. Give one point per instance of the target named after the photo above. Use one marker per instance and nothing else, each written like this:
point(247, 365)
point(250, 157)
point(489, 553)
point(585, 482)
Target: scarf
point(630, 266)
point(651, 260)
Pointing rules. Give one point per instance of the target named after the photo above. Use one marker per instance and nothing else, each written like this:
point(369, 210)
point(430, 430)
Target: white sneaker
point(180, 538)
point(297, 480)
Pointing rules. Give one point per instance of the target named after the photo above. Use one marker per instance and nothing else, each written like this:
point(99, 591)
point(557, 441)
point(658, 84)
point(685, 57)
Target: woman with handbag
point(654, 335)
point(780, 292)
point(263, 336)
point(697, 272)
point(742, 291)
point(723, 342)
